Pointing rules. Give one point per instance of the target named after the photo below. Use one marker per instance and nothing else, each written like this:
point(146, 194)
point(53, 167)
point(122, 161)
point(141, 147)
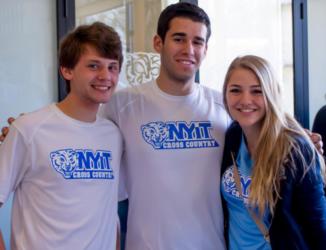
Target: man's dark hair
point(186, 10)
point(100, 36)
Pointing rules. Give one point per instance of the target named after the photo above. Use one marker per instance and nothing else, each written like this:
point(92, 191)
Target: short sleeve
point(13, 162)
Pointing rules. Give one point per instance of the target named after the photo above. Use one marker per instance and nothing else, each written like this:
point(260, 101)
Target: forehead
point(89, 52)
point(187, 26)
point(243, 76)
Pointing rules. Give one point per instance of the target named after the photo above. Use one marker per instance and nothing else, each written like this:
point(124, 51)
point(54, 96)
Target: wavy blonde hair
point(277, 140)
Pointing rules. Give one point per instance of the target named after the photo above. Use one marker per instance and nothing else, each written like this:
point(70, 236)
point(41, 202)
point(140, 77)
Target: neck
point(252, 136)
point(174, 87)
point(78, 110)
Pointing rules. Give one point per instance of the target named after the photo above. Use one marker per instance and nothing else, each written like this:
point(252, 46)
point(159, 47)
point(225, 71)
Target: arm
point(2, 243)
point(311, 206)
point(118, 240)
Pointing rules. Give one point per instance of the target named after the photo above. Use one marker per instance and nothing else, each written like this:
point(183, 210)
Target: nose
point(246, 97)
point(104, 74)
point(188, 47)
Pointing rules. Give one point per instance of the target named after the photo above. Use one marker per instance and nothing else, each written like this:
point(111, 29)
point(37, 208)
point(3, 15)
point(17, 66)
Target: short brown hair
point(185, 10)
point(98, 35)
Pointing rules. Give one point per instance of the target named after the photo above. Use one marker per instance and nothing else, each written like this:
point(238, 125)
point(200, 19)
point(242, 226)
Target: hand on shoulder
point(5, 130)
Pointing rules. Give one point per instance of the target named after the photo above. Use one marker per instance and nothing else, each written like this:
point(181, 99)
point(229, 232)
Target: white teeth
point(185, 62)
point(247, 110)
point(102, 88)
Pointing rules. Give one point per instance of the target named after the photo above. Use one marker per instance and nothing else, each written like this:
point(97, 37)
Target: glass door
point(135, 21)
point(260, 27)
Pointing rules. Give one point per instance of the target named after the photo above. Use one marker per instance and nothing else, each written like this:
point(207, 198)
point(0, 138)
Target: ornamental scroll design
point(141, 67)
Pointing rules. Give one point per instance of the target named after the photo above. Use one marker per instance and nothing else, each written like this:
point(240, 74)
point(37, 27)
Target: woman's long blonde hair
point(277, 140)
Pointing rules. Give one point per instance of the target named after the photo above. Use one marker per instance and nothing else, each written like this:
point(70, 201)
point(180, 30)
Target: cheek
point(115, 78)
point(230, 106)
point(230, 101)
point(262, 104)
point(200, 54)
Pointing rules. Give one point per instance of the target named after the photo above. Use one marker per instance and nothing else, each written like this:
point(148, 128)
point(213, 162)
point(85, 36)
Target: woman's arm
point(310, 207)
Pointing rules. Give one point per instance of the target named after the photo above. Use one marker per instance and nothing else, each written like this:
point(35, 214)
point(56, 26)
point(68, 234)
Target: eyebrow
point(99, 61)
point(238, 85)
point(182, 34)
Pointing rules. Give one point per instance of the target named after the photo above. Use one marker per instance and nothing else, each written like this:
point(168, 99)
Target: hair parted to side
point(100, 36)
point(182, 9)
point(278, 139)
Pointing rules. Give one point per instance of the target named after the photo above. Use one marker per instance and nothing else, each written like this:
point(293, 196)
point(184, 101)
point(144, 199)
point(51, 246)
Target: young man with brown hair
point(63, 174)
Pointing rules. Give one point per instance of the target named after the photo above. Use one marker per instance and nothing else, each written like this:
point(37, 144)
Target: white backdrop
point(28, 74)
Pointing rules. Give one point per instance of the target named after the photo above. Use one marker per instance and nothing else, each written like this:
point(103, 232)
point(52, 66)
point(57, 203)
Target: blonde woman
point(272, 177)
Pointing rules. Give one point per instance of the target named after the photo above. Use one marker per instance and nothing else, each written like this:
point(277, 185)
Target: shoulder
point(305, 162)
point(134, 90)
point(28, 124)
point(234, 132)
point(232, 143)
point(322, 111)
point(127, 96)
point(303, 149)
point(107, 125)
point(233, 137)
point(319, 125)
point(212, 94)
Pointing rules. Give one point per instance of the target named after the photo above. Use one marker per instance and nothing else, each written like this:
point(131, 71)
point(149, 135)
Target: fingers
point(315, 137)
point(317, 141)
point(11, 120)
point(4, 132)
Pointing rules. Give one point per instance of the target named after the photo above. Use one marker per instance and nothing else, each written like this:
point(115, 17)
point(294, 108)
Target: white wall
point(28, 74)
point(28, 71)
point(317, 55)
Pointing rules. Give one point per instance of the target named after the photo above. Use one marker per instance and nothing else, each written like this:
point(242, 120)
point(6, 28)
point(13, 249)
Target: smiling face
point(93, 79)
point(182, 50)
point(245, 100)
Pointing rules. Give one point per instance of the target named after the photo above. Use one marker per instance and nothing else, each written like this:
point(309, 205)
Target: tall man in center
point(174, 136)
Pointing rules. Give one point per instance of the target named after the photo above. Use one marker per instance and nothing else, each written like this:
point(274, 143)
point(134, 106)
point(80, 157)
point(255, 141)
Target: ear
point(66, 73)
point(157, 43)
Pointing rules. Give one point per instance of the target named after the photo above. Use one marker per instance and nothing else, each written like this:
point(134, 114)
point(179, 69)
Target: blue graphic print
point(229, 185)
point(82, 164)
point(178, 135)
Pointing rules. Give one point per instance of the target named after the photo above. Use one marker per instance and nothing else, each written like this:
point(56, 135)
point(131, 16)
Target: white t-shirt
point(64, 174)
point(171, 166)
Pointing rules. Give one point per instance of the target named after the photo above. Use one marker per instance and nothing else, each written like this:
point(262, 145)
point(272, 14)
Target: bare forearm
point(118, 238)
point(2, 243)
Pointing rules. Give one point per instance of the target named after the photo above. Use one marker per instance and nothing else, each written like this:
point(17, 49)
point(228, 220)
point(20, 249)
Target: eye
point(178, 39)
point(93, 66)
point(113, 68)
point(257, 91)
point(198, 43)
point(234, 90)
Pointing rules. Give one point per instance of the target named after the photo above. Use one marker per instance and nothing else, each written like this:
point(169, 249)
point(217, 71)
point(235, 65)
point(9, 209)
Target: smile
point(101, 88)
point(247, 110)
point(186, 62)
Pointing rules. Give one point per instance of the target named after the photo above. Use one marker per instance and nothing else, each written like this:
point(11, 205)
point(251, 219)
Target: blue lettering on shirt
point(82, 164)
point(178, 135)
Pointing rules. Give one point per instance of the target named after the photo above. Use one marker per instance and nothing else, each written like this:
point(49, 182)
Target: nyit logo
point(229, 185)
point(178, 135)
point(82, 164)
